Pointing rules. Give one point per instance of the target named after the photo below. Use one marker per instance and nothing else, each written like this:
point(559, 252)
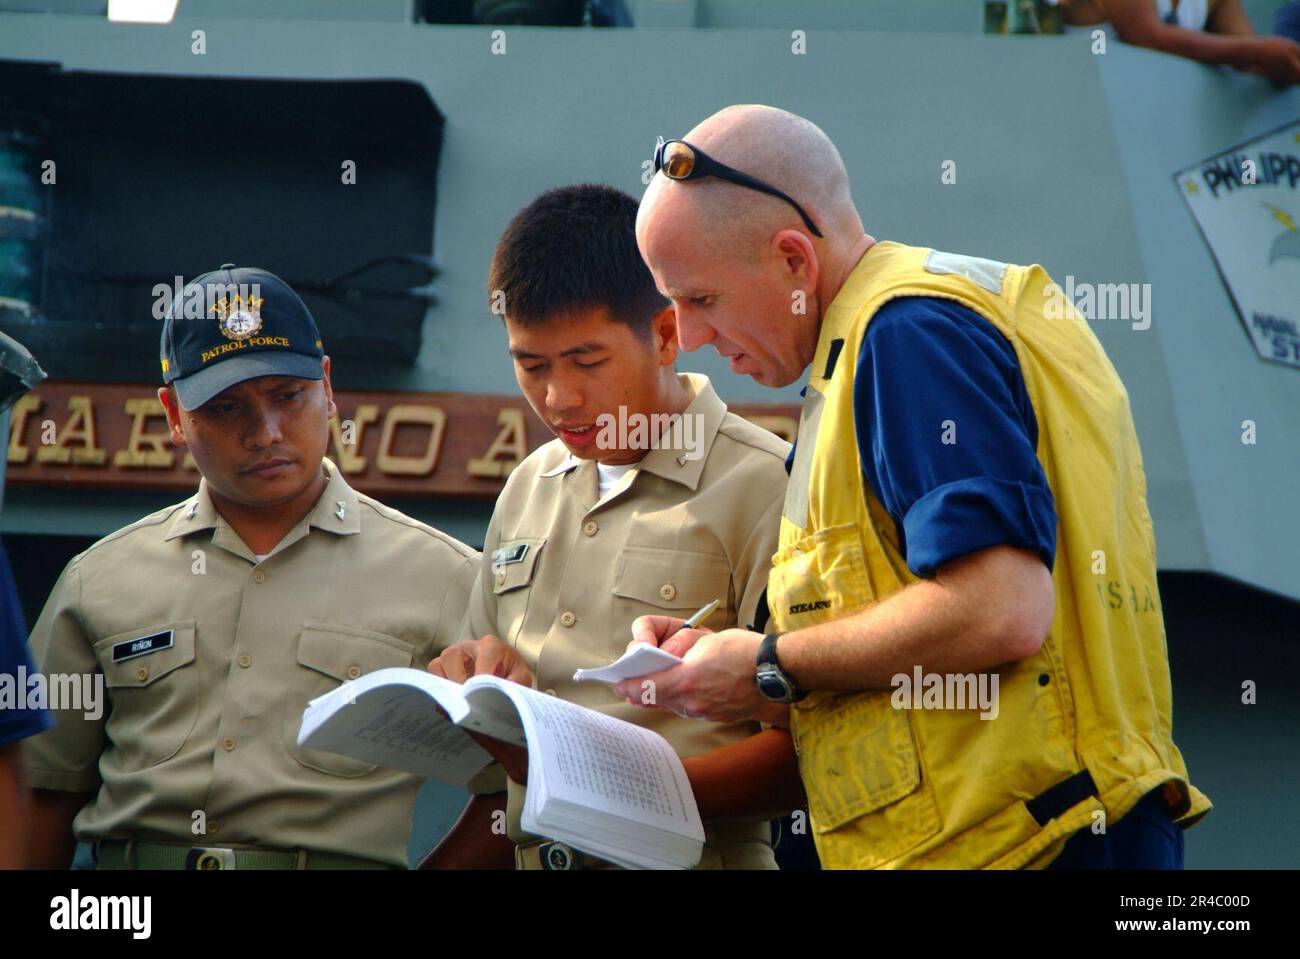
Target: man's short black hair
point(573, 249)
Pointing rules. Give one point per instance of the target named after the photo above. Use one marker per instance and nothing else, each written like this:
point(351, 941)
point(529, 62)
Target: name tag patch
point(131, 648)
point(506, 555)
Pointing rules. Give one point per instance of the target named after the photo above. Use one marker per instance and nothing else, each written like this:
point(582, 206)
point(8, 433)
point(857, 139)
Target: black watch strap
point(767, 656)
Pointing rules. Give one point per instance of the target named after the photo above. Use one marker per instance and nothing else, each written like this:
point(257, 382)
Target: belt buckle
point(210, 857)
point(558, 857)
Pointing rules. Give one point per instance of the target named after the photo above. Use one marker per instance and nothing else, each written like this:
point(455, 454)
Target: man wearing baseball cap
point(263, 329)
point(214, 621)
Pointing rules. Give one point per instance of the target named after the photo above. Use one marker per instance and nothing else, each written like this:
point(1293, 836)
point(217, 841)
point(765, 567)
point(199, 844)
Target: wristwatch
point(773, 684)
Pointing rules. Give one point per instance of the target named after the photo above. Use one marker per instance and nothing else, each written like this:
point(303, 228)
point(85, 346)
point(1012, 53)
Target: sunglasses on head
point(678, 160)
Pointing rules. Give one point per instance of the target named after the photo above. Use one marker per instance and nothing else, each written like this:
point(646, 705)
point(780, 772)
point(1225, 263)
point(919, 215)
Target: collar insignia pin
point(341, 507)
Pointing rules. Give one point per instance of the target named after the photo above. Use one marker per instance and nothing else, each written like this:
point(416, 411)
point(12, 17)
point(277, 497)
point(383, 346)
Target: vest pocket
point(819, 578)
point(857, 756)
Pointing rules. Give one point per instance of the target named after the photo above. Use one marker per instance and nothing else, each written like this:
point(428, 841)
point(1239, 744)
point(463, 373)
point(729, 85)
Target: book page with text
point(605, 763)
point(387, 717)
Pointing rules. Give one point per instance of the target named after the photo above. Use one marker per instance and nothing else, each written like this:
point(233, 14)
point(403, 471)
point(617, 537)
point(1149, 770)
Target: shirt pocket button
point(668, 591)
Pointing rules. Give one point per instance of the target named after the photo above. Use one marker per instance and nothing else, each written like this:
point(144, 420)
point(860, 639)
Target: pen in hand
point(697, 618)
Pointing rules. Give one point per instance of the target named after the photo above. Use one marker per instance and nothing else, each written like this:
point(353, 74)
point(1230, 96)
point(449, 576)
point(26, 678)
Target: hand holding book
point(488, 657)
point(602, 785)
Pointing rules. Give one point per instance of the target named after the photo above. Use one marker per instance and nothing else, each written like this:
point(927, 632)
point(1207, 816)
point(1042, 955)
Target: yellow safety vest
point(891, 787)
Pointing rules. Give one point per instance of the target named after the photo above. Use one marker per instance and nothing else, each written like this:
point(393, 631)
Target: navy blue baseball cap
point(235, 324)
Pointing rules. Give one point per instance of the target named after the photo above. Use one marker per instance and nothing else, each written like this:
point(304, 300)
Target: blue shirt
point(946, 435)
point(15, 723)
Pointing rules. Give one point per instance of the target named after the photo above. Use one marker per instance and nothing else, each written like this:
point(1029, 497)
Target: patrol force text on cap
point(232, 325)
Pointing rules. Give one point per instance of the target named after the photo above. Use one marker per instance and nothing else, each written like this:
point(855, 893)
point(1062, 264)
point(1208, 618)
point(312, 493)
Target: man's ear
point(331, 410)
point(798, 257)
point(172, 407)
point(664, 330)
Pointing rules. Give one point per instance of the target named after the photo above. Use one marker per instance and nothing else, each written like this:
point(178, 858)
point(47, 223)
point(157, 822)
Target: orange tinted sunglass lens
point(679, 160)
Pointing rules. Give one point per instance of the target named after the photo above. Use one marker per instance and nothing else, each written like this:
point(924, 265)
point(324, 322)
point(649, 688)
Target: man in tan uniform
point(214, 621)
point(602, 525)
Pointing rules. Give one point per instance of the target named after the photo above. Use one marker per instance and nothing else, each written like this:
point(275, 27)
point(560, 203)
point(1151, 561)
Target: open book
point(599, 784)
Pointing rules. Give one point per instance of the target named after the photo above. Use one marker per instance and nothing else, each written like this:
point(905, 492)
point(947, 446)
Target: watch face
point(772, 685)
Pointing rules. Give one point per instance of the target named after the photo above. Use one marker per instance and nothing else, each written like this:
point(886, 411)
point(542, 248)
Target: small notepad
point(641, 660)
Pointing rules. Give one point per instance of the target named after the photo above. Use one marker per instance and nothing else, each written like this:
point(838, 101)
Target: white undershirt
point(261, 558)
point(608, 477)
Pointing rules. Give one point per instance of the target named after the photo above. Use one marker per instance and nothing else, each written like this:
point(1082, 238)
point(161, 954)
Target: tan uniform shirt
point(205, 725)
point(563, 577)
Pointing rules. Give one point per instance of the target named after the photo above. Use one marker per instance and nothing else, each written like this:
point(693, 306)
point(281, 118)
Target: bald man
point(973, 677)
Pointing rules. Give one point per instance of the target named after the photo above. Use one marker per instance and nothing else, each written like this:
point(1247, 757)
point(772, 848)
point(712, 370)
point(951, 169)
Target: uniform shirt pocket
point(329, 656)
point(513, 564)
point(664, 582)
point(152, 689)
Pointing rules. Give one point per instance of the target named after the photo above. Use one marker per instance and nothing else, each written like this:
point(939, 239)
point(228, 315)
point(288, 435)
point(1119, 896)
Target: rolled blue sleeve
point(946, 435)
